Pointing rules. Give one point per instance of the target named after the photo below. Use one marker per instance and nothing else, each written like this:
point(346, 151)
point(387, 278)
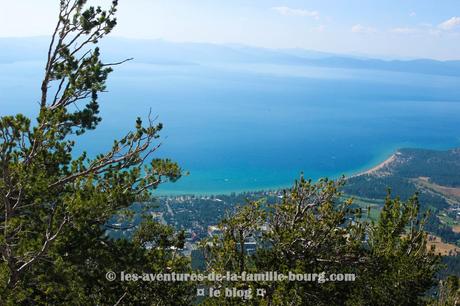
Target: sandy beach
point(380, 166)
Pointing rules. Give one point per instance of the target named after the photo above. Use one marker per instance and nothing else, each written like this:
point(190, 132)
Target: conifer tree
point(56, 205)
point(315, 230)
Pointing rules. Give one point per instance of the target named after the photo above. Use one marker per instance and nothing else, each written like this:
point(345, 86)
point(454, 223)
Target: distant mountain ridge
point(162, 52)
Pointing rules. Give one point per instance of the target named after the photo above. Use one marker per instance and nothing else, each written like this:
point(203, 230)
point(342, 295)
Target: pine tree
point(315, 230)
point(57, 205)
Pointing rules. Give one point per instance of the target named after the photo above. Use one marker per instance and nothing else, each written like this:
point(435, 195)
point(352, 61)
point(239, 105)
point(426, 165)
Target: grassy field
point(371, 208)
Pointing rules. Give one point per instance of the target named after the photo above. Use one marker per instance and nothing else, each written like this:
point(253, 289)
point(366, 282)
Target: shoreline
point(387, 161)
point(378, 167)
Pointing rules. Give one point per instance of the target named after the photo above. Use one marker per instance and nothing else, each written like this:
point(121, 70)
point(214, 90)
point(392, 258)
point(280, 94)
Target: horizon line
point(356, 54)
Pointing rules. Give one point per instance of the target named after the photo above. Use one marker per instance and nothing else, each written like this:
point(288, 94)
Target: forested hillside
point(434, 175)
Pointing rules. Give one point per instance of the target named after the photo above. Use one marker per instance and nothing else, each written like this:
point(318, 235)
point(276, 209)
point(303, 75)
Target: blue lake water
point(251, 127)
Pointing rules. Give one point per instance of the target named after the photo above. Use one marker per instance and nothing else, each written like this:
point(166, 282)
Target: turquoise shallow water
point(252, 127)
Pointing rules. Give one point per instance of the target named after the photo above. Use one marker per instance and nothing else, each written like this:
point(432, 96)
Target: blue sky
point(384, 28)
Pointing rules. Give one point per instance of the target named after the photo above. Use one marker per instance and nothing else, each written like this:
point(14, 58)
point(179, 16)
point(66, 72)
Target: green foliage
point(399, 269)
point(442, 167)
point(402, 176)
point(449, 292)
point(56, 206)
point(313, 230)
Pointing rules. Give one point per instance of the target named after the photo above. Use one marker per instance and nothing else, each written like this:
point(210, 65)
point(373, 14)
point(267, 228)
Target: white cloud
point(287, 11)
point(404, 30)
point(450, 24)
point(358, 28)
point(412, 14)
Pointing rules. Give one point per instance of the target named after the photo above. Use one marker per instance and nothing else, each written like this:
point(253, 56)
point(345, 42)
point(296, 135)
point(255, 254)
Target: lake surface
point(251, 127)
